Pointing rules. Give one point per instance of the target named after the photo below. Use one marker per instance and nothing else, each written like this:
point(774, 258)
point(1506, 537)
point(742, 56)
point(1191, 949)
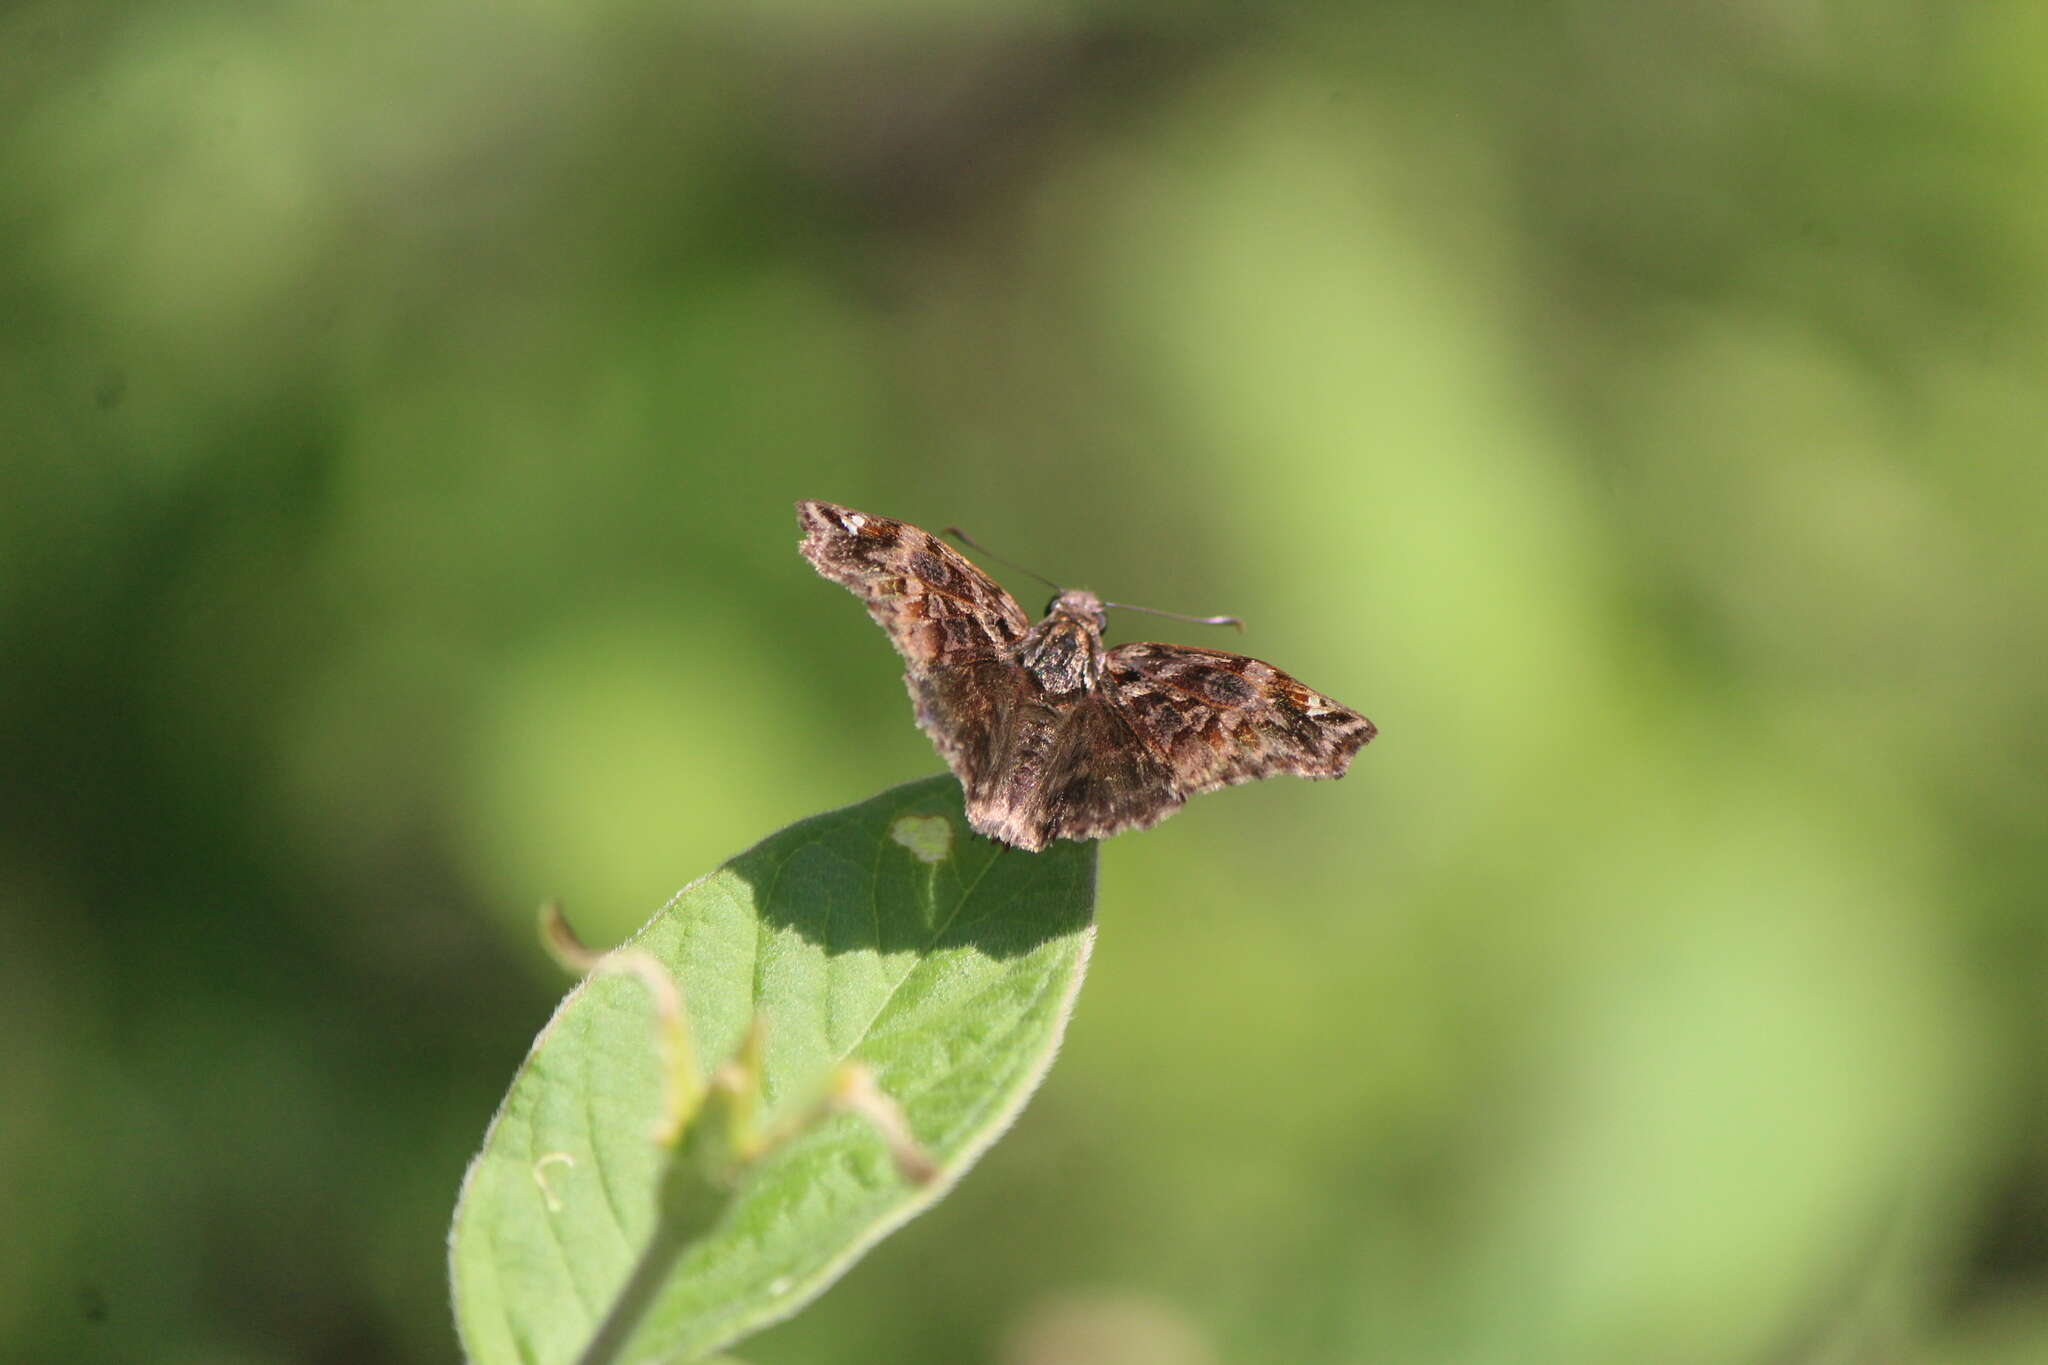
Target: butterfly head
point(1077, 604)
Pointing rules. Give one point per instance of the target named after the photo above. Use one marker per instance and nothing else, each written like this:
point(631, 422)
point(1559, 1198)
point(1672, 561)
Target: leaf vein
point(923, 956)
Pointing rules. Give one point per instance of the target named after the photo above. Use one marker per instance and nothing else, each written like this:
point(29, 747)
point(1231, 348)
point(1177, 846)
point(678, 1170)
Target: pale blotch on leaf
point(928, 837)
point(540, 1177)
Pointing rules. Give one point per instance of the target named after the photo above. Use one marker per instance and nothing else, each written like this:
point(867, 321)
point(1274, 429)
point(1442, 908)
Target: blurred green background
point(1637, 410)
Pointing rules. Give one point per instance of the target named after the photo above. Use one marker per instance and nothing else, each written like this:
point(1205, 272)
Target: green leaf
point(886, 933)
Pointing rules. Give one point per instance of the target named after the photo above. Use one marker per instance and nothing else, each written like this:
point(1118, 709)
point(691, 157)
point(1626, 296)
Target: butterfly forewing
point(1224, 718)
point(937, 608)
point(954, 626)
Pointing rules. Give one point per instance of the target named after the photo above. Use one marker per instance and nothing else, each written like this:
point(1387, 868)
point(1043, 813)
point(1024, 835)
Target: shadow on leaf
point(905, 874)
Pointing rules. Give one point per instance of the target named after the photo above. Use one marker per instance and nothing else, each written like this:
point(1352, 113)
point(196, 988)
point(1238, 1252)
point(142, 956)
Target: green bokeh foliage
point(1636, 410)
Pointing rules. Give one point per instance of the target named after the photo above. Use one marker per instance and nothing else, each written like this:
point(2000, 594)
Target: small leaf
point(886, 933)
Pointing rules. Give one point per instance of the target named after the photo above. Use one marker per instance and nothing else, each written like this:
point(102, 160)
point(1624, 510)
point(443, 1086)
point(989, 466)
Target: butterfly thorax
point(1064, 651)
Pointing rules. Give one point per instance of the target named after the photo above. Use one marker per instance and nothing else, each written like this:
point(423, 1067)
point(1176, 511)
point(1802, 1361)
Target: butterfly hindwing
point(1075, 771)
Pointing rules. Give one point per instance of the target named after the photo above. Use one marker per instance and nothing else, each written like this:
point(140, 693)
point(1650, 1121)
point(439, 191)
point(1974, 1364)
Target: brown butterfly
point(1051, 735)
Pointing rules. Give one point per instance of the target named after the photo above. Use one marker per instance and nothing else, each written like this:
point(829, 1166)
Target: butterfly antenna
point(981, 549)
point(1176, 616)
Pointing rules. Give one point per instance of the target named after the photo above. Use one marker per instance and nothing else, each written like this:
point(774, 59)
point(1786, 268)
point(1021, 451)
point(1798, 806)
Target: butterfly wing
point(954, 626)
point(1164, 723)
point(1075, 770)
point(1217, 719)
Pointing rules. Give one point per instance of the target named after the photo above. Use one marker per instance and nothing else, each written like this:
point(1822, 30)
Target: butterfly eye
point(1051, 602)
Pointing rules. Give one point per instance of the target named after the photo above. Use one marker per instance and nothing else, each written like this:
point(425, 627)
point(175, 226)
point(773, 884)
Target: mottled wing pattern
point(1042, 758)
point(953, 625)
point(1077, 771)
point(1217, 719)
